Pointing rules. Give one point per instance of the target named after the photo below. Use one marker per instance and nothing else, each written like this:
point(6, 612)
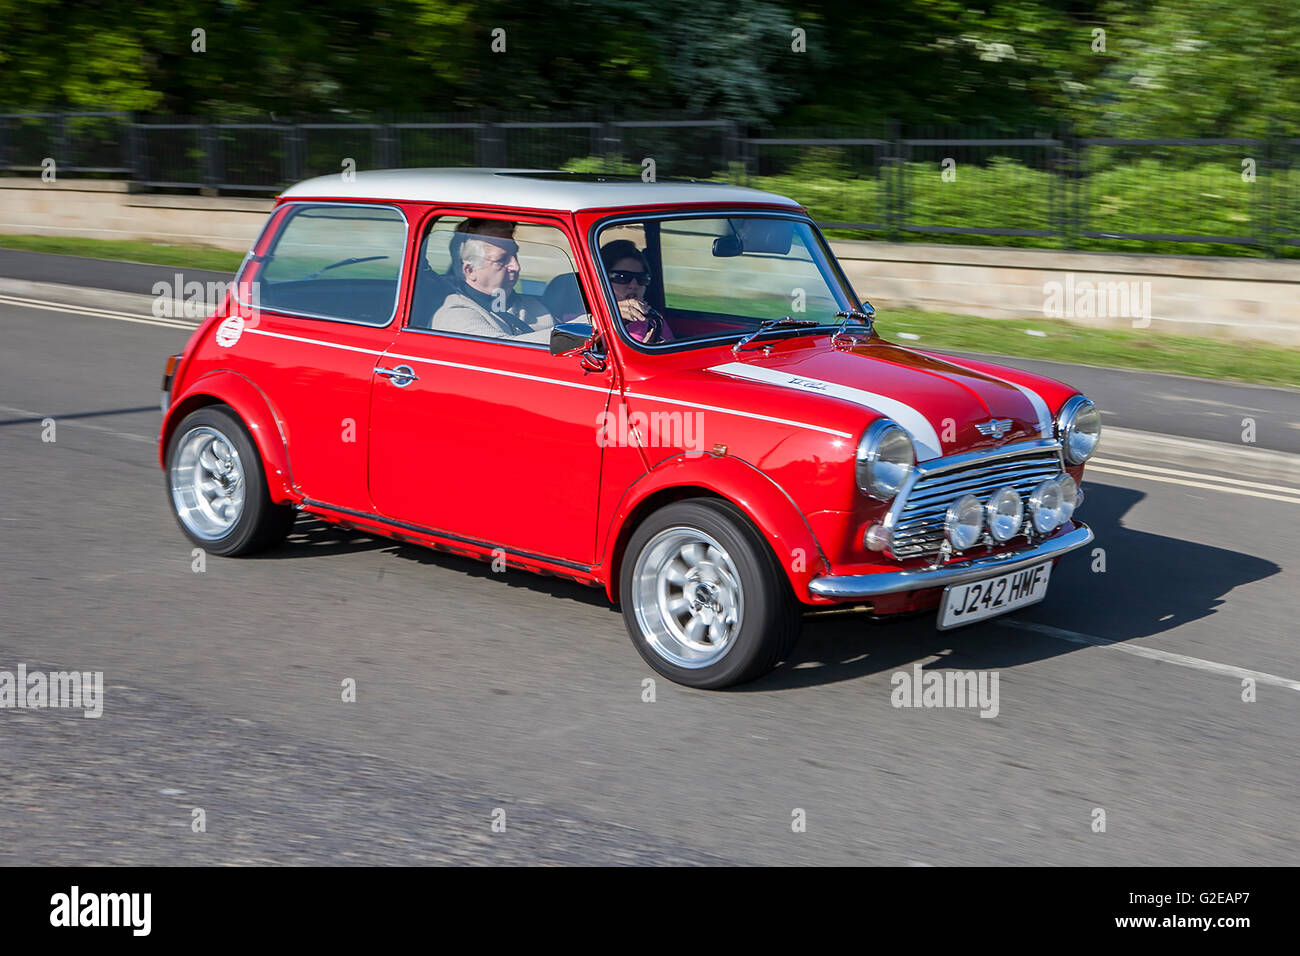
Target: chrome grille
point(917, 518)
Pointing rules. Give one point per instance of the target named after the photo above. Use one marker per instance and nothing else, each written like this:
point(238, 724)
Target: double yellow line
point(1193, 479)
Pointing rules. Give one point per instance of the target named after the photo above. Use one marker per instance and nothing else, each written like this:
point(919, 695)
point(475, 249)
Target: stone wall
point(1189, 295)
point(103, 209)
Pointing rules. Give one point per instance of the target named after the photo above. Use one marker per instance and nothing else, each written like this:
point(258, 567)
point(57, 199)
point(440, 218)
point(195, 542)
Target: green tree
point(1190, 68)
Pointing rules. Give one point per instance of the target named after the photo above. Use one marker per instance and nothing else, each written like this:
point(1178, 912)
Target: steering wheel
point(656, 326)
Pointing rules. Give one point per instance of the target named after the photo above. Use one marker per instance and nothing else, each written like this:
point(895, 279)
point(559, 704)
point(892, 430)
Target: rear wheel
point(217, 485)
point(704, 600)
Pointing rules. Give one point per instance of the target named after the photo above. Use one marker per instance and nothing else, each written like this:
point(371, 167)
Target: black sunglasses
point(622, 277)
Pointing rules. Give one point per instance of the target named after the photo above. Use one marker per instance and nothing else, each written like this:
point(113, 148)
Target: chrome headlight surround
point(884, 460)
point(1078, 429)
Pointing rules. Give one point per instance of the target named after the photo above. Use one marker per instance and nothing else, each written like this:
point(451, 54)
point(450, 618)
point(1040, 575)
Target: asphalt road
point(480, 692)
point(137, 278)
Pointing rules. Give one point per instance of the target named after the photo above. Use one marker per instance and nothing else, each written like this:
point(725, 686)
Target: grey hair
point(474, 252)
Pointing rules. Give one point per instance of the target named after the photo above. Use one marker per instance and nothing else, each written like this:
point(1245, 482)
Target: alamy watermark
point(130, 910)
point(198, 300)
point(673, 429)
point(36, 690)
point(1086, 299)
point(946, 689)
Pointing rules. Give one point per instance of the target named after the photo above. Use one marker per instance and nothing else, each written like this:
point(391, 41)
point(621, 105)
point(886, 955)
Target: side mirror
point(570, 338)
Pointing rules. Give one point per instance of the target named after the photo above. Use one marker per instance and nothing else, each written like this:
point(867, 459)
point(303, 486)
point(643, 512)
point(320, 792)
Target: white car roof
point(529, 188)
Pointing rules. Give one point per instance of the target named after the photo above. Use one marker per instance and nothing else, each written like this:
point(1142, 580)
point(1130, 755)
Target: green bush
point(601, 164)
point(1144, 196)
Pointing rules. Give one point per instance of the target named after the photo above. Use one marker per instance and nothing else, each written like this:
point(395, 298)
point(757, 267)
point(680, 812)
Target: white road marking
point(1225, 488)
point(1226, 670)
point(1216, 402)
point(75, 423)
point(1266, 486)
point(95, 313)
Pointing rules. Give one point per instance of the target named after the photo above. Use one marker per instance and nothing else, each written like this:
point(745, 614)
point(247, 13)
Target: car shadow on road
point(312, 537)
point(1151, 583)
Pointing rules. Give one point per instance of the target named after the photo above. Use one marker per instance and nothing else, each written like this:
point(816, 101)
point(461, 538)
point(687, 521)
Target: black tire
point(257, 523)
point(769, 616)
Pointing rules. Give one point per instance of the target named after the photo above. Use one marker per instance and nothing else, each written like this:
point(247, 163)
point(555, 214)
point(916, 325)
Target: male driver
point(484, 302)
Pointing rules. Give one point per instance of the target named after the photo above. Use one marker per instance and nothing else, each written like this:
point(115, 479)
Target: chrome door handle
point(402, 376)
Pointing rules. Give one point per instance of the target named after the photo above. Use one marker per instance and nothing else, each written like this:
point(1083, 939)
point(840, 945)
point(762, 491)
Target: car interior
point(546, 272)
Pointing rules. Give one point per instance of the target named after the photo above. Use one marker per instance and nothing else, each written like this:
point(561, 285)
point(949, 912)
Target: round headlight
point(884, 460)
point(1078, 428)
point(1047, 504)
point(1006, 513)
point(964, 522)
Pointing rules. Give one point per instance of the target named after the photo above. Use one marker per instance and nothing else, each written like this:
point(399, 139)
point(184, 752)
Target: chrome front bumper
point(851, 586)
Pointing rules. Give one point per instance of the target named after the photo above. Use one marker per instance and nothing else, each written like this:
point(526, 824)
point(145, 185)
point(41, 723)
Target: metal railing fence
point(1225, 195)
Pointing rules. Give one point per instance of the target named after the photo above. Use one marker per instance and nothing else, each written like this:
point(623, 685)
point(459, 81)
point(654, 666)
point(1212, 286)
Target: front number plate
point(978, 600)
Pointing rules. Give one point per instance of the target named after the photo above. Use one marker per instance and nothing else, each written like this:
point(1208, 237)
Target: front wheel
point(217, 485)
point(704, 600)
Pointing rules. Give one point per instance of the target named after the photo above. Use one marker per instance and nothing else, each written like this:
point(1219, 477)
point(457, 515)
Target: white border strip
point(732, 411)
point(1040, 407)
point(1046, 425)
point(924, 437)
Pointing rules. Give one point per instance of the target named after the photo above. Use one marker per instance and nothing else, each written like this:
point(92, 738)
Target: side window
point(495, 278)
point(335, 262)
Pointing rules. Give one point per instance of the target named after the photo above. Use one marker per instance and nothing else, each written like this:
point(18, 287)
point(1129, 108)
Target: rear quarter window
point(334, 262)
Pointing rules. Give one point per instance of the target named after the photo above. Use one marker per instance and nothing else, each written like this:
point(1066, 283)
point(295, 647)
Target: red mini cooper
point(668, 390)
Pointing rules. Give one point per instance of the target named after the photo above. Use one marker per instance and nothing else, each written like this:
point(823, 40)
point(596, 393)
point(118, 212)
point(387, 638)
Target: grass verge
point(129, 250)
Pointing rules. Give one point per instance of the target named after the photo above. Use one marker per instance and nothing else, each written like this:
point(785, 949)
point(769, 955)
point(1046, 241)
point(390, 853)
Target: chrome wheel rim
point(688, 597)
point(207, 479)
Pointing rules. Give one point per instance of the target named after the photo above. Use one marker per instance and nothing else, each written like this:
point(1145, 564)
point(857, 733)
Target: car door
point(324, 283)
point(490, 438)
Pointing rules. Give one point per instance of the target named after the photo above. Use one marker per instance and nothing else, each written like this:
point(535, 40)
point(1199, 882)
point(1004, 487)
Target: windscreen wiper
point(783, 323)
point(864, 315)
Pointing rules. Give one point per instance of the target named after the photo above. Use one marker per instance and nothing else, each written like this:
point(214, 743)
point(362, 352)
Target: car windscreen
point(711, 277)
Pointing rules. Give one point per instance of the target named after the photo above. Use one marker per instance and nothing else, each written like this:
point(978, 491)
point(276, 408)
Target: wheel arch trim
point(768, 507)
point(246, 400)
